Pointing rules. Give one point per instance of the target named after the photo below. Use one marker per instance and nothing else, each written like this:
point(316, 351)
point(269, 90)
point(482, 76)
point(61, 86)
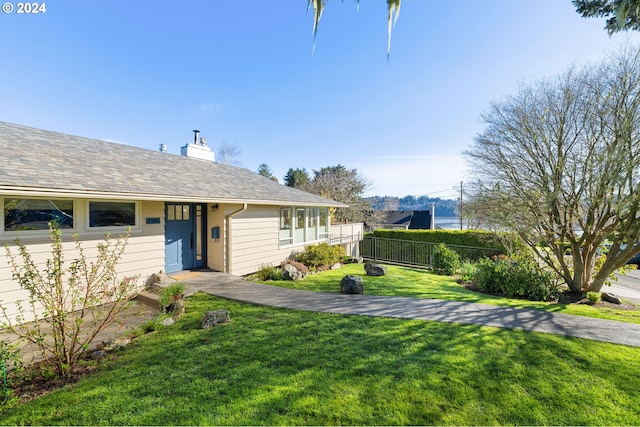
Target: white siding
point(143, 255)
point(255, 240)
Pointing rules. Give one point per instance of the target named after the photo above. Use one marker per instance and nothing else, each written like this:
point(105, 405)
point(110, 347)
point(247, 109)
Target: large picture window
point(36, 214)
point(112, 214)
point(303, 225)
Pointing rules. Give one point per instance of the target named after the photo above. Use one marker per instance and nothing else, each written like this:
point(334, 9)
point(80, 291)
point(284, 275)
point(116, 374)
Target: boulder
point(336, 266)
point(375, 269)
point(351, 285)
point(156, 278)
point(291, 272)
point(213, 318)
point(614, 299)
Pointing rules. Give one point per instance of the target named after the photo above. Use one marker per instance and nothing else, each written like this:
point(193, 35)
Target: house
point(411, 220)
point(184, 212)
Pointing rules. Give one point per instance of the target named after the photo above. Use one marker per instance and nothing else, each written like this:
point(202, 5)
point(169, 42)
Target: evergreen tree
point(265, 170)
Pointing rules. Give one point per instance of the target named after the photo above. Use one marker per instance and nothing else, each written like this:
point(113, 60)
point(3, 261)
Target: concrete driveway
point(627, 286)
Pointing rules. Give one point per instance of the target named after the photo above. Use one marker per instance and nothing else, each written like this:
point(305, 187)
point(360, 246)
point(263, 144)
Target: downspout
point(229, 234)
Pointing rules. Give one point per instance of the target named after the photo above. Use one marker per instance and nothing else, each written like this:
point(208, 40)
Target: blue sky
point(244, 72)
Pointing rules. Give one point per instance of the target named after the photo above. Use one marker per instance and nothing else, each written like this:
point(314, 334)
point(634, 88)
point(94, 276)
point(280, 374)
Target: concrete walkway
point(237, 289)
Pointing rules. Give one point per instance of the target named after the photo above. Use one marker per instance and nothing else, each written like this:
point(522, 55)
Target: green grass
point(417, 283)
point(272, 366)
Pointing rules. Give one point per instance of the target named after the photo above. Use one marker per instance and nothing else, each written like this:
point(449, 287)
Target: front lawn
point(418, 283)
point(272, 366)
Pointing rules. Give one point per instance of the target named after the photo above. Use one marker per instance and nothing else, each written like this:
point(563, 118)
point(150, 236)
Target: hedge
point(474, 238)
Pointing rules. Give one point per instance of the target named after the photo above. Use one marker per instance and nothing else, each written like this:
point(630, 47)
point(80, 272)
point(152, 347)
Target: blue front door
point(184, 226)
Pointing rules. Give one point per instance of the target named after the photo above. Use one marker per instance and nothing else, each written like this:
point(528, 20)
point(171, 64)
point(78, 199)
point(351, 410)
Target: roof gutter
point(228, 241)
point(90, 194)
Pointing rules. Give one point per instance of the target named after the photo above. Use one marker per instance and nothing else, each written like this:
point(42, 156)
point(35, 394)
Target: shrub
point(268, 272)
point(10, 359)
point(492, 242)
point(170, 293)
point(444, 260)
point(78, 300)
point(467, 271)
point(593, 297)
point(321, 254)
point(521, 279)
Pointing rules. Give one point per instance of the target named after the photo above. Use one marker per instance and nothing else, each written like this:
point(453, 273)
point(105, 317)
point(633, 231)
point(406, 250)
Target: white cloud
point(209, 108)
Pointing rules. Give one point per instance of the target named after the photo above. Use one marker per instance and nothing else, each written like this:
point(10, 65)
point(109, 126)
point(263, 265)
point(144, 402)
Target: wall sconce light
point(214, 208)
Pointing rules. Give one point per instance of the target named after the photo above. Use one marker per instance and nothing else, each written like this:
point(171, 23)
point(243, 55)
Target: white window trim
point(138, 216)
point(284, 243)
point(37, 233)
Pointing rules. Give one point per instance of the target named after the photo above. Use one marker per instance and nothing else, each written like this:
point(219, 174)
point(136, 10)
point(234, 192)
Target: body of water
point(449, 223)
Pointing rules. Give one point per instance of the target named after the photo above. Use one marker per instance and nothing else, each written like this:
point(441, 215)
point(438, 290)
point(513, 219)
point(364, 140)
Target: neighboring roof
point(41, 162)
point(397, 217)
point(413, 220)
point(420, 220)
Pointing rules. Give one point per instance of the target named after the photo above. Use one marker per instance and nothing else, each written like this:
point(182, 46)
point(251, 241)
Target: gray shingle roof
point(40, 160)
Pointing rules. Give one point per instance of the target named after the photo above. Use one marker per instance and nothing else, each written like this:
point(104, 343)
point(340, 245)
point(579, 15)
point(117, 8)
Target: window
point(177, 212)
point(299, 234)
point(35, 214)
point(286, 236)
point(112, 214)
point(323, 222)
point(312, 221)
point(303, 225)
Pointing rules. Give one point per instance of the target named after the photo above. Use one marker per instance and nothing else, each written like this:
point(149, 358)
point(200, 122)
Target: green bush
point(467, 271)
point(521, 279)
point(268, 272)
point(169, 293)
point(322, 254)
point(593, 297)
point(486, 242)
point(445, 261)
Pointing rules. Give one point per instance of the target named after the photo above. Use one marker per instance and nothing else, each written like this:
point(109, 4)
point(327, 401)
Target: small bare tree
point(559, 163)
point(343, 185)
point(70, 305)
point(228, 154)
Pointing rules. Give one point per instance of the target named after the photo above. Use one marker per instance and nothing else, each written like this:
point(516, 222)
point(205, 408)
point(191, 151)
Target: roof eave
point(69, 193)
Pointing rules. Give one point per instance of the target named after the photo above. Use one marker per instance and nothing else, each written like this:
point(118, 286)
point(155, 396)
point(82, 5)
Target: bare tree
point(228, 154)
point(342, 185)
point(560, 164)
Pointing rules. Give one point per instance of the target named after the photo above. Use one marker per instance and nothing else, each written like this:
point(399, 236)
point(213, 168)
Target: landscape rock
point(213, 318)
point(168, 321)
point(336, 266)
point(351, 285)
point(375, 269)
point(291, 272)
point(156, 278)
point(98, 354)
point(614, 299)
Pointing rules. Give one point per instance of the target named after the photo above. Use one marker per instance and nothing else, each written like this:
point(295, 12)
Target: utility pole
point(460, 210)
